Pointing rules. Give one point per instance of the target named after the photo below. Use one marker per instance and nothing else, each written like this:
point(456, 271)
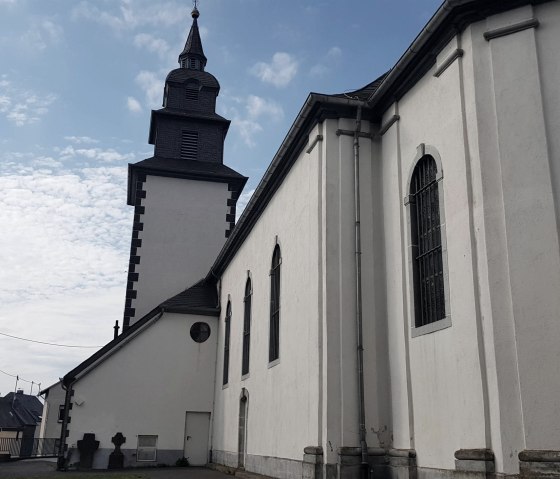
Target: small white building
point(387, 304)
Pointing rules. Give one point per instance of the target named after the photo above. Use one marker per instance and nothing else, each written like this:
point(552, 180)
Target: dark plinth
point(87, 447)
point(116, 458)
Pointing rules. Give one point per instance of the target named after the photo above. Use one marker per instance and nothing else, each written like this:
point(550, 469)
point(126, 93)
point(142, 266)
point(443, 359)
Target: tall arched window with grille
point(226, 343)
point(274, 338)
point(246, 327)
point(426, 243)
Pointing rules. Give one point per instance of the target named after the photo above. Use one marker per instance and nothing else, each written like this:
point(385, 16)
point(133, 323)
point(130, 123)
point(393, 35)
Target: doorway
point(197, 431)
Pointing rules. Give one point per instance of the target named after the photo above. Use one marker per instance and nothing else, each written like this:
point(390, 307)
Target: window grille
point(274, 339)
point(226, 343)
point(189, 145)
point(147, 448)
point(428, 272)
point(246, 326)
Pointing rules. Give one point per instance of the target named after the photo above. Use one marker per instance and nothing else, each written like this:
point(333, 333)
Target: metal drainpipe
point(60, 466)
point(359, 321)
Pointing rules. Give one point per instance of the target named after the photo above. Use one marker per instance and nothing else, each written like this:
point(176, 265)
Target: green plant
point(183, 462)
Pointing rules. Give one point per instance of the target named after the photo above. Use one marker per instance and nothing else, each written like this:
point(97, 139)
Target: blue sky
point(77, 82)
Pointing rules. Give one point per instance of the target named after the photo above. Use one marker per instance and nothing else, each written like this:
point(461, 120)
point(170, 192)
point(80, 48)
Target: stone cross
point(116, 458)
point(87, 447)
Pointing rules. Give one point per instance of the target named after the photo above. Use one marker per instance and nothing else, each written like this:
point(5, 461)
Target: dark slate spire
point(192, 57)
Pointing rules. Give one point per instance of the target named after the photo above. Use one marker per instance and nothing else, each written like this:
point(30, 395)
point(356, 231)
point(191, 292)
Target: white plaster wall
point(147, 386)
point(445, 372)
point(524, 121)
point(283, 399)
point(50, 427)
point(184, 230)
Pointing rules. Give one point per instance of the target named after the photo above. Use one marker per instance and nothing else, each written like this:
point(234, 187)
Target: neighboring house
point(388, 301)
point(20, 418)
point(53, 411)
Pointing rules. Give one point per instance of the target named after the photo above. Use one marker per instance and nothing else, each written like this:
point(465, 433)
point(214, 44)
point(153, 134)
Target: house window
point(61, 413)
point(147, 449)
point(226, 343)
point(274, 338)
point(426, 246)
point(189, 145)
point(246, 326)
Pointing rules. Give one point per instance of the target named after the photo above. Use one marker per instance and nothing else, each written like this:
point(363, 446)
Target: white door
point(197, 430)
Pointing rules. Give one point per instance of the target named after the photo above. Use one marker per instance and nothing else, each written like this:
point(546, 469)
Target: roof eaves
point(101, 355)
point(315, 109)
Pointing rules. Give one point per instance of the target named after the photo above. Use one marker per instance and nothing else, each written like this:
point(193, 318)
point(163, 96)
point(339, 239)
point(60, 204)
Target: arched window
point(246, 327)
point(226, 343)
point(274, 339)
point(426, 236)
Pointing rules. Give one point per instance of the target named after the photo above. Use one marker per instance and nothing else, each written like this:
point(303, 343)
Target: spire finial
point(192, 56)
point(195, 14)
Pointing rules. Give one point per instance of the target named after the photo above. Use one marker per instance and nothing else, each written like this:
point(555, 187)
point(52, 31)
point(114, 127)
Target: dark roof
point(365, 92)
point(18, 410)
point(180, 168)
point(194, 114)
point(183, 74)
point(452, 17)
point(193, 45)
point(202, 298)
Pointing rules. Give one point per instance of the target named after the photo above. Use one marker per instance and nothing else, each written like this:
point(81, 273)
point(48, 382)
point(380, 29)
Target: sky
point(78, 79)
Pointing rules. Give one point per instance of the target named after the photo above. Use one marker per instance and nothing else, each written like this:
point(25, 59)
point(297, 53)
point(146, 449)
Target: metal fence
point(29, 447)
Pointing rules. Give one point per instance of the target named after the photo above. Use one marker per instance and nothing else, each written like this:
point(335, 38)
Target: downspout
point(359, 320)
point(60, 466)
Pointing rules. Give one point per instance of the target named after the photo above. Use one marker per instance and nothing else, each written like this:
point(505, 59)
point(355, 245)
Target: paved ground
point(35, 468)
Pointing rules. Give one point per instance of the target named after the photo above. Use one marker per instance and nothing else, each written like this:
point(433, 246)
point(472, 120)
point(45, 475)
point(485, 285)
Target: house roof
point(201, 298)
point(18, 410)
point(453, 16)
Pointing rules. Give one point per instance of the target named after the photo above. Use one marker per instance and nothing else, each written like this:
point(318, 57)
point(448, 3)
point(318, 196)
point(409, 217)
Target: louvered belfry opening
point(429, 291)
point(246, 327)
point(189, 145)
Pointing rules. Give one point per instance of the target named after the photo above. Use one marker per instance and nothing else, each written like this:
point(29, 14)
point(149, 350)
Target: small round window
point(200, 332)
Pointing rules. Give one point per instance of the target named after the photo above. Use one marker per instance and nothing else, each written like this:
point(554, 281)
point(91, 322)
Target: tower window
point(189, 145)
point(428, 270)
point(274, 337)
point(191, 92)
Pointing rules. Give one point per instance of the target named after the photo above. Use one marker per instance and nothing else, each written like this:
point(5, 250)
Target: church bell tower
point(184, 197)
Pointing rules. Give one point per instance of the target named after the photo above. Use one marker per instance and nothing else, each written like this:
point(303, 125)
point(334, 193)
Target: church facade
point(386, 305)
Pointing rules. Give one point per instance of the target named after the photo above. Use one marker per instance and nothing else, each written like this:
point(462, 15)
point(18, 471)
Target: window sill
point(432, 327)
point(225, 386)
point(271, 364)
point(245, 376)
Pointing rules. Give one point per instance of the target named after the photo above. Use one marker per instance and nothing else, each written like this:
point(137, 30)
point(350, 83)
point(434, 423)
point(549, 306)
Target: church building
point(386, 306)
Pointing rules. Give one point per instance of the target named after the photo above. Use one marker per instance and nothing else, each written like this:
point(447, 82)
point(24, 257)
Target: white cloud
point(152, 85)
point(152, 44)
point(80, 139)
point(130, 15)
point(257, 106)
point(242, 203)
point(108, 155)
point(334, 52)
point(279, 72)
point(41, 34)
point(23, 107)
point(331, 58)
point(133, 104)
point(247, 112)
point(247, 129)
